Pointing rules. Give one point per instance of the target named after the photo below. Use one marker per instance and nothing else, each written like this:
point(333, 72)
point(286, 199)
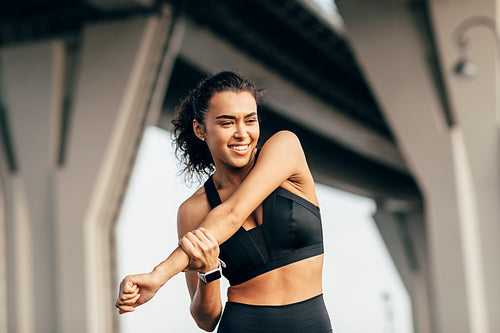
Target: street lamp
point(464, 67)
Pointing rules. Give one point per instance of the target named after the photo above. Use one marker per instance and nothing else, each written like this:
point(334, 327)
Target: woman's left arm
point(280, 159)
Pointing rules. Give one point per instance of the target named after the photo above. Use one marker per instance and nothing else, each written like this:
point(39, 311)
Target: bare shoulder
point(288, 146)
point(192, 211)
point(283, 139)
point(283, 148)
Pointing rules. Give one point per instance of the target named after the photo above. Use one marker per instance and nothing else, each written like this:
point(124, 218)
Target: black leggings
point(302, 317)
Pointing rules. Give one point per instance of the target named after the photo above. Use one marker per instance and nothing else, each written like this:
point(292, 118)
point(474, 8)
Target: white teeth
point(239, 148)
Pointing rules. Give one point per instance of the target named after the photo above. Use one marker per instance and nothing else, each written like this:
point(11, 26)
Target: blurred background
point(394, 101)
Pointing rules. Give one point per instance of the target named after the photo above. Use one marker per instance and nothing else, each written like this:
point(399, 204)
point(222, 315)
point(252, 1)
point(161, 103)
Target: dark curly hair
point(190, 150)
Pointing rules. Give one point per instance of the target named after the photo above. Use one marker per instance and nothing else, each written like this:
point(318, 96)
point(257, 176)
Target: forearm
point(219, 222)
point(174, 264)
point(206, 306)
point(223, 222)
point(178, 260)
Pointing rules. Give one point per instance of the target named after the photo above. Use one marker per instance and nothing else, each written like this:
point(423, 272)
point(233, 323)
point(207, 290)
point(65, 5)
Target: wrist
point(161, 275)
point(209, 267)
point(213, 274)
point(175, 263)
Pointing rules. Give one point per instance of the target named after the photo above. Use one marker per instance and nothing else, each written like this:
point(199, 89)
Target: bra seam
point(299, 200)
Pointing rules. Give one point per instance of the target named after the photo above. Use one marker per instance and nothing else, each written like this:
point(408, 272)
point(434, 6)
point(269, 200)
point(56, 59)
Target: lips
point(239, 148)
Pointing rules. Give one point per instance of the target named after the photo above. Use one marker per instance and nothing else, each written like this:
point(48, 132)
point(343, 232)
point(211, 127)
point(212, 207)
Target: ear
point(199, 130)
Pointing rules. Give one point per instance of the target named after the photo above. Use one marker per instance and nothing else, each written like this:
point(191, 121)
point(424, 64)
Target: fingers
point(208, 235)
point(127, 303)
point(136, 290)
point(127, 297)
point(129, 294)
point(199, 244)
point(129, 286)
point(187, 244)
point(209, 244)
point(192, 244)
point(202, 248)
point(125, 309)
point(200, 233)
point(201, 238)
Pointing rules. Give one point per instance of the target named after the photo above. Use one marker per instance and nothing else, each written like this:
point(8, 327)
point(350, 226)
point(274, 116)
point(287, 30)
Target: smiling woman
point(230, 129)
point(256, 220)
point(192, 151)
point(357, 271)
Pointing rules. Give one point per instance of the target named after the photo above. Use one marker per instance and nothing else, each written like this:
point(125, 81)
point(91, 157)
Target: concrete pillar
point(476, 148)
point(59, 217)
point(454, 162)
point(405, 237)
point(29, 78)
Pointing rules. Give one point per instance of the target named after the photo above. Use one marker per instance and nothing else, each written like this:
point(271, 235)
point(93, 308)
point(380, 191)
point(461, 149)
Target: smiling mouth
point(239, 148)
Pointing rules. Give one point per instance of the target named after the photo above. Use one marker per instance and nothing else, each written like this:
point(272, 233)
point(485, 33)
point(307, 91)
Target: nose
point(240, 131)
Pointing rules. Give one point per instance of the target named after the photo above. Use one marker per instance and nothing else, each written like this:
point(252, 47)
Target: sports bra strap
point(212, 194)
point(211, 191)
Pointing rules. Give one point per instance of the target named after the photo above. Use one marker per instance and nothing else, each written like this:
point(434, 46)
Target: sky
point(361, 287)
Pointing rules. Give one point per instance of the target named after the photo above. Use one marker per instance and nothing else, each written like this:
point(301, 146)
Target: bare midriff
point(289, 284)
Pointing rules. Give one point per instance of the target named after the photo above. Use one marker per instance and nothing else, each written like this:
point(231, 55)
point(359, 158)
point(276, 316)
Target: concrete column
point(125, 67)
point(28, 82)
point(476, 149)
point(59, 218)
point(405, 237)
point(395, 52)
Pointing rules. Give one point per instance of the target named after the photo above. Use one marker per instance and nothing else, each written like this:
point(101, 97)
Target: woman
point(259, 205)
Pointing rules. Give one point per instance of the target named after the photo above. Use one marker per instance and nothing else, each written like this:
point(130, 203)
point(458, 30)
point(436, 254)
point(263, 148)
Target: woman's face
point(231, 128)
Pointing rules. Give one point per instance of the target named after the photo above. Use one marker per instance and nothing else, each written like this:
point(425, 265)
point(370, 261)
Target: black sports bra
point(290, 231)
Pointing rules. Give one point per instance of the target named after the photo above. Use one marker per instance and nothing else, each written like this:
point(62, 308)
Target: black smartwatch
point(212, 275)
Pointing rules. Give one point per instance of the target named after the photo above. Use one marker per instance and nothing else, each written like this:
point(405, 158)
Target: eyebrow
point(251, 114)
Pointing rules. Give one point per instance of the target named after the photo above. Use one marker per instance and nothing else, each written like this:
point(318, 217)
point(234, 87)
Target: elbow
point(207, 324)
point(207, 327)
point(206, 321)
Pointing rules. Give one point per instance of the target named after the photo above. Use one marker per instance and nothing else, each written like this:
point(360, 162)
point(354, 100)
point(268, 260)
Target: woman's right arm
point(203, 250)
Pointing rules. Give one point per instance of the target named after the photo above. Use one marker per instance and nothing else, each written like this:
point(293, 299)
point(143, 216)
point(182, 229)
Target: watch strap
point(213, 274)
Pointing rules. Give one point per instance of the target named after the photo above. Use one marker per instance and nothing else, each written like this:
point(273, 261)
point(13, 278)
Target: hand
point(136, 290)
point(202, 248)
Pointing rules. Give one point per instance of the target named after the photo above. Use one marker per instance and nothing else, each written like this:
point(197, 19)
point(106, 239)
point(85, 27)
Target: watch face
point(213, 276)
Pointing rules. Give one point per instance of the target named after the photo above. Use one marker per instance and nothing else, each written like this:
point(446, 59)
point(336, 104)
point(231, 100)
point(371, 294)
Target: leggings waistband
point(305, 316)
point(312, 299)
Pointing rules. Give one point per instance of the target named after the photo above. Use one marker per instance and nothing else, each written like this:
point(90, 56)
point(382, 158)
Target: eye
point(226, 123)
point(252, 120)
